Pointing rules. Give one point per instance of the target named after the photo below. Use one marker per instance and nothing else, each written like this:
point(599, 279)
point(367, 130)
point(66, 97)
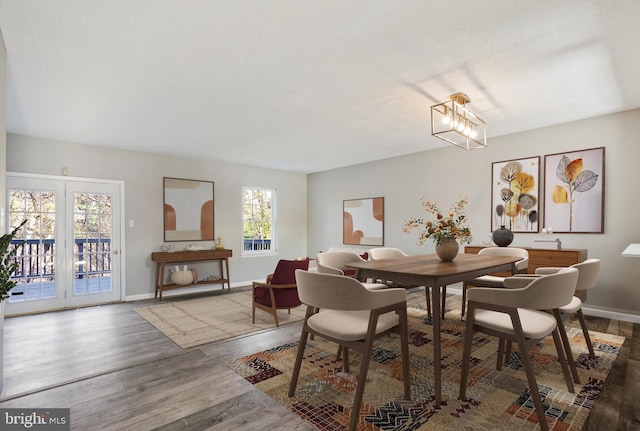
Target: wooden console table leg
point(226, 261)
point(160, 281)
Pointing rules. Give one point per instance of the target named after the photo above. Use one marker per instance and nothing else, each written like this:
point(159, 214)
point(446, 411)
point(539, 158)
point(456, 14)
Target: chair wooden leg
point(507, 352)
point(404, 347)
point(531, 379)
point(298, 364)
point(563, 360)
point(500, 355)
point(345, 359)
point(253, 313)
point(428, 296)
point(585, 331)
point(466, 354)
point(364, 367)
point(567, 347)
point(464, 297)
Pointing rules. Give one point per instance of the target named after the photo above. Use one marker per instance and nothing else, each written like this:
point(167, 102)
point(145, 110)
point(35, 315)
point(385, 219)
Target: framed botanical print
point(515, 194)
point(363, 221)
point(574, 191)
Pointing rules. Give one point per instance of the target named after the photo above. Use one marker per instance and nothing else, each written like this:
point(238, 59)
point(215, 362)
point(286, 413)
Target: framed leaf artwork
point(574, 191)
point(515, 194)
point(363, 221)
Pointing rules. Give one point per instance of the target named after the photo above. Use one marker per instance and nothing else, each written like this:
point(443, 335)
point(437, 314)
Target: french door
point(71, 254)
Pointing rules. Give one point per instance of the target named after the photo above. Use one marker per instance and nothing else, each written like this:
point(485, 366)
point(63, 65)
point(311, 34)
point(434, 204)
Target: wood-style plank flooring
point(117, 372)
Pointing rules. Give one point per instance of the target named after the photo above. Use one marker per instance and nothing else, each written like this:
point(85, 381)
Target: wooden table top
point(430, 267)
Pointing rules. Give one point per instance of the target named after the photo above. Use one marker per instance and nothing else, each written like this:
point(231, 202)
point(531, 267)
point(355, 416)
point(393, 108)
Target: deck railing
point(257, 244)
point(36, 259)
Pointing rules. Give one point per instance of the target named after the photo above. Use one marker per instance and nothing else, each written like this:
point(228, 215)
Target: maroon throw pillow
point(365, 255)
point(285, 272)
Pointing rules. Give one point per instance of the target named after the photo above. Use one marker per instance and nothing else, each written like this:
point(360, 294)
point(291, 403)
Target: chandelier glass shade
point(454, 123)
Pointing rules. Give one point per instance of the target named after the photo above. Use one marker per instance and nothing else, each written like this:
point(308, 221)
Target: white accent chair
point(351, 316)
point(513, 314)
point(492, 280)
point(588, 272)
point(335, 262)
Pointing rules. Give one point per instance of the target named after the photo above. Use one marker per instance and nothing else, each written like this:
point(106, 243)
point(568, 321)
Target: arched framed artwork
point(363, 221)
point(188, 210)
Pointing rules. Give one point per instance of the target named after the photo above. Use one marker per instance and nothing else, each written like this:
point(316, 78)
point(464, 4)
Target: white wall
point(3, 126)
point(445, 174)
point(143, 174)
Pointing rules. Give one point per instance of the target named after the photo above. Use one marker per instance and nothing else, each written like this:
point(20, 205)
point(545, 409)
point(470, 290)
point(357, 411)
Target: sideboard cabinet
point(542, 257)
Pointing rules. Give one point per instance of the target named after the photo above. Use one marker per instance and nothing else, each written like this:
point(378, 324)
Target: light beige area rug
point(203, 320)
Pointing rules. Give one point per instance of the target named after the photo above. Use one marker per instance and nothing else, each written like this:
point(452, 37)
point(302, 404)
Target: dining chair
point(335, 262)
point(588, 272)
point(353, 317)
point(514, 314)
point(380, 253)
point(280, 291)
point(493, 280)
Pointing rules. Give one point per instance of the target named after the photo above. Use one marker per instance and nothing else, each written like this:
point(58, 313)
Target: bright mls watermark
point(35, 419)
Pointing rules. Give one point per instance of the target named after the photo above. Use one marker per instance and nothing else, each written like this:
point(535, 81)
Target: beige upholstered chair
point(351, 316)
point(513, 314)
point(588, 272)
point(335, 262)
point(380, 253)
point(491, 280)
point(386, 253)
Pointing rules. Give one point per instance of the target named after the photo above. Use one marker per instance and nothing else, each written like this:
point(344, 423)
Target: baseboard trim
point(183, 291)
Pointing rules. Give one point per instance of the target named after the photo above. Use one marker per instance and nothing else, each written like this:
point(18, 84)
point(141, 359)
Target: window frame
point(273, 222)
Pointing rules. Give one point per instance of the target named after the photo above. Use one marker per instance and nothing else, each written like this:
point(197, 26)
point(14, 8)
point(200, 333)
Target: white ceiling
point(305, 85)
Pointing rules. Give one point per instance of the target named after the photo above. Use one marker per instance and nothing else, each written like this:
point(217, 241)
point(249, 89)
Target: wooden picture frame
point(363, 221)
point(515, 194)
point(574, 191)
point(188, 210)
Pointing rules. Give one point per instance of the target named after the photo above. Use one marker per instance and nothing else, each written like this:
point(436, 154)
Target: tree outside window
point(258, 220)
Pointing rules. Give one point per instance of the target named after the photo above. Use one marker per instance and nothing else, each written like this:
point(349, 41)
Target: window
point(258, 220)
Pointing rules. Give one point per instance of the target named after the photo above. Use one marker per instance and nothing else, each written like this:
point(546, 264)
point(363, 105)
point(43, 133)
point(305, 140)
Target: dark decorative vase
point(502, 237)
point(447, 249)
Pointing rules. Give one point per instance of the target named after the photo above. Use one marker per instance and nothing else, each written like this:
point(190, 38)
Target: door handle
point(115, 252)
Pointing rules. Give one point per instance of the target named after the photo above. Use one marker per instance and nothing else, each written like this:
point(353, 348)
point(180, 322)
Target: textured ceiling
point(305, 85)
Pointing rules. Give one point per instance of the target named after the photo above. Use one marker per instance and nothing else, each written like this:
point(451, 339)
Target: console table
point(161, 258)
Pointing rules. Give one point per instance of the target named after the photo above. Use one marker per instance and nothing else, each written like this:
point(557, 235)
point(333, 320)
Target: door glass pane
point(92, 243)
point(35, 275)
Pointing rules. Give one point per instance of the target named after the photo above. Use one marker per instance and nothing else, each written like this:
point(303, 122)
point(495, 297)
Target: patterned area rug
point(497, 400)
point(199, 321)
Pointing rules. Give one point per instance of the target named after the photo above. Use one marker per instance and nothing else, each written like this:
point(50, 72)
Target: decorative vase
point(219, 245)
point(447, 249)
point(182, 277)
point(502, 237)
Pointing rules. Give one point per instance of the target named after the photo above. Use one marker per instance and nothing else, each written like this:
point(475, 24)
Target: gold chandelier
point(454, 123)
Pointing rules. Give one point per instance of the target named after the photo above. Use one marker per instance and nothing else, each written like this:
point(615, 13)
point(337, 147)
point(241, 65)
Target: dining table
point(429, 271)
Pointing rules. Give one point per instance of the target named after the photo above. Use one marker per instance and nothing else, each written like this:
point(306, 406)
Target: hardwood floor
point(117, 372)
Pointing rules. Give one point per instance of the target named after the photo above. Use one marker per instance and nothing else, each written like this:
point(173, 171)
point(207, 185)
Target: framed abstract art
point(363, 221)
point(515, 194)
point(574, 191)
